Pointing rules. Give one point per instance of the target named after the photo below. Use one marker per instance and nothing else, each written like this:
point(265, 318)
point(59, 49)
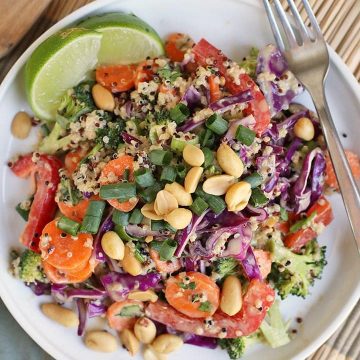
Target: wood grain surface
point(340, 22)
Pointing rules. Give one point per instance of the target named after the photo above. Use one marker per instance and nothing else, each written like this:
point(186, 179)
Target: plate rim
point(29, 328)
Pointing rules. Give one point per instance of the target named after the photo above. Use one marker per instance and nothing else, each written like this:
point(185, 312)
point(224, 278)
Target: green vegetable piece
point(69, 226)
point(160, 157)
point(120, 230)
point(168, 174)
point(179, 113)
point(205, 306)
point(149, 194)
point(255, 180)
point(198, 206)
point(181, 171)
point(144, 178)
point(258, 198)
point(30, 268)
point(206, 138)
point(216, 203)
point(217, 124)
point(245, 135)
point(234, 347)
point(93, 215)
point(24, 213)
point(136, 217)
point(284, 216)
point(121, 191)
point(120, 218)
point(167, 249)
point(130, 311)
point(303, 223)
point(209, 156)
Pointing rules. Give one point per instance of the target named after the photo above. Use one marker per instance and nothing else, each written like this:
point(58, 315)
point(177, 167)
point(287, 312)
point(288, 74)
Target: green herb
point(195, 298)
point(130, 311)
point(189, 286)
point(169, 74)
point(245, 135)
point(302, 223)
point(162, 116)
point(284, 214)
point(205, 306)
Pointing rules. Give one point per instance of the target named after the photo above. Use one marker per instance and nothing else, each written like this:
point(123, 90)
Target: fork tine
point(285, 23)
point(301, 26)
point(274, 26)
point(315, 26)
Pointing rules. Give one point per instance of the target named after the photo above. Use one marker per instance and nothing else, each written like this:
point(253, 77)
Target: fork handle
point(349, 190)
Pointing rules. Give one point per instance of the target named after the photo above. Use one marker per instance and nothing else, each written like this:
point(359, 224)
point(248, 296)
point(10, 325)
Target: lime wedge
point(59, 63)
point(126, 38)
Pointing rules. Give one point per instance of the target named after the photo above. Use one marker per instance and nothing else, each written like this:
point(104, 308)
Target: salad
point(177, 198)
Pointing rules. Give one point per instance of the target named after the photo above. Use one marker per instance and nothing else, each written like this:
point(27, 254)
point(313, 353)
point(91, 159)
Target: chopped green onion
point(69, 226)
point(255, 180)
point(284, 214)
point(136, 217)
point(303, 223)
point(167, 249)
point(181, 171)
point(120, 218)
point(245, 135)
point(144, 177)
point(258, 198)
point(160, 157)
point(179, 113)
point(149, 194)
point(209, 156)
point(168, 174)
point(199, 206)
point(177, 145)
point(138, 253)
point(217, 124)
point(93, 216)
point(120, 191)
point(206, 138)
point(216, 203)
point(120, 230)
point(158, 225)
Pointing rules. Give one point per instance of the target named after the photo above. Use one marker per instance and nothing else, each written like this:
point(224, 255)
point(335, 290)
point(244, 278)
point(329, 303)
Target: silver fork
point(308, 59)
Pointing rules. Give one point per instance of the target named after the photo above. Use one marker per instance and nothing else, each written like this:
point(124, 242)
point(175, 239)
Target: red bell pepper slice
point(45, 171)
point(258, 299)
point(257, 107)
point(324, 216)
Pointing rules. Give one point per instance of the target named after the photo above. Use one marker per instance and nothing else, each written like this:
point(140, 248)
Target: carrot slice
point(215, 93)
point(74, 212)
point(176, 45)
point(116, 78)
point(62, 250)
point(119, 322)
point(193, 294)
point(354, 162)
point(145, 71)
point(62, 277)
point(112, 173)
point(164, 266)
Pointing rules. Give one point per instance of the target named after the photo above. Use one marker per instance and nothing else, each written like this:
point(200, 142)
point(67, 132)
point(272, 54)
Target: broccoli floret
point(226, 266)
point(273, 328)
point(294, 273)
point(75, 102)
point(109, 136)
point(30, 269)
point(250, 62)
point(234, 347)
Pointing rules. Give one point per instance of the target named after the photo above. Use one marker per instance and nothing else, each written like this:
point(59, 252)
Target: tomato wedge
point(258, 299)
point(193, 294)
point(45, 171)
point(64, 251)
point(58, 276)
point(258, 107)
point(116, 78)
point(354, 162)
point(161, 266)
point(176, 45)
point(324, 216)
point(120, 322)
point(112, 173)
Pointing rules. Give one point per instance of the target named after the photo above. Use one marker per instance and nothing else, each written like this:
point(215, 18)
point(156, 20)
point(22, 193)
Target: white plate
point(233, 26)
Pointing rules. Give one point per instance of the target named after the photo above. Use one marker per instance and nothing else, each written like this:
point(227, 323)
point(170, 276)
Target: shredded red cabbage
point(106, 226)
point(226, 103)
point(250, 265)
point(82, 307)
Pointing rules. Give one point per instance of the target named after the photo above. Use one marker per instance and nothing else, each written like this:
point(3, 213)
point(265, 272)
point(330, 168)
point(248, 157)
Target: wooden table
point(340, 22)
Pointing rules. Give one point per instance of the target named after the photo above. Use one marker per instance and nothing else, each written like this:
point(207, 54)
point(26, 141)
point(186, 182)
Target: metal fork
point(308, 58)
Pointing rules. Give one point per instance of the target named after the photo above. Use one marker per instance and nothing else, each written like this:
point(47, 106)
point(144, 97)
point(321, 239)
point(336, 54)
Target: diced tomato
point(116, 78)
point(258, 107)
point(45, 171)
point(118, 322)
point(161, 266)
point(324, 216)
point(263, 259)
point(73, 158)
point(64, 251)
point(354, 162)
point(115, 169)
point(176, 45)
point(258, 299)
point(185, 291)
